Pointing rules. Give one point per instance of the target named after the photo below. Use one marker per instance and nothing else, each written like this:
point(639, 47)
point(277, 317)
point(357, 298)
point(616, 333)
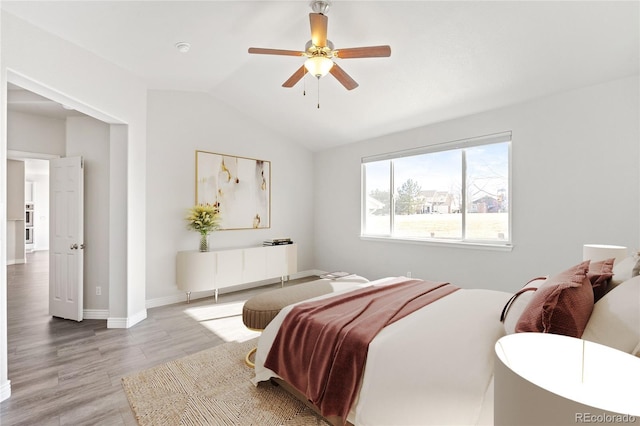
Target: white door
point(66, 203)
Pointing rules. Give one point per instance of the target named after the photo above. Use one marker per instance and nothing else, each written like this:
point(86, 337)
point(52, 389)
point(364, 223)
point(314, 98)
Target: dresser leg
point(188, 297)
point(215, 295)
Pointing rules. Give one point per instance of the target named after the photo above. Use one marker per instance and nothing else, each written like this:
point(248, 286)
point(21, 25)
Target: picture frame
point(239, 186)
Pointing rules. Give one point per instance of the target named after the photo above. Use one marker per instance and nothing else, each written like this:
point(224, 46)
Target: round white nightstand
point(549, 379)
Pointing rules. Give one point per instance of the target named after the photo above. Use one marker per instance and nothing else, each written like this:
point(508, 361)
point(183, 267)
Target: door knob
point(74, 247)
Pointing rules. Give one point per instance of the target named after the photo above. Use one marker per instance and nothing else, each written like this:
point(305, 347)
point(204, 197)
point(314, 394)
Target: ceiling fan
point(320, 52)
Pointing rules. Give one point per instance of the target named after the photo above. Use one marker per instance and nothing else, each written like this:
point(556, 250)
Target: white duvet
point(433, 367)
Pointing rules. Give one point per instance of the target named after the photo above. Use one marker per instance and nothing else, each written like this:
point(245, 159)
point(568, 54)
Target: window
point(452, 192)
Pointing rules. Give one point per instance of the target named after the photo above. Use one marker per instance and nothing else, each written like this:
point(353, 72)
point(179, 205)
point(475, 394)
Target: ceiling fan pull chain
point(318, 92)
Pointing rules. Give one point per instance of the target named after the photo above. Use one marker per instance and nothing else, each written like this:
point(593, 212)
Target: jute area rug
point(212, 387)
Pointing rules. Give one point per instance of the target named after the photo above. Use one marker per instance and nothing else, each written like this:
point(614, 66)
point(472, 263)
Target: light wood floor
point(68, 373)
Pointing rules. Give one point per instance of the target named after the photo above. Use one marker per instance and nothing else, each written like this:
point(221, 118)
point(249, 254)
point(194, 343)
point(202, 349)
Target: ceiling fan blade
point(364, 52)
point(344, 78)
point(296, 77)
point(262, 51)
point(318, 29)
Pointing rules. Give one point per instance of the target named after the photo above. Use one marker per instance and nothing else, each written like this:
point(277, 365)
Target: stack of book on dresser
point(277, 242)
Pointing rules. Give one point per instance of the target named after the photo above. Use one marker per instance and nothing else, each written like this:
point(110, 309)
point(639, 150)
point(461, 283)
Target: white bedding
point(434, 366)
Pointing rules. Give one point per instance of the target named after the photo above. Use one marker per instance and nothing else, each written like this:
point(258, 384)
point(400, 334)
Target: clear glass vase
point(204, 242)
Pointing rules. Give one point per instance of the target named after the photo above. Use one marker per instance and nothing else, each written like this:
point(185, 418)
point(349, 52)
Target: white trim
point(182, 298)
point(127, 322)
point(13, 154)
point(315, 272)
point(442, 243)
point(5, 390)
point(136, 318)
point(117, 323)
point(176, 298)
point(99, 314)
point(16, 261)
point(25, 82)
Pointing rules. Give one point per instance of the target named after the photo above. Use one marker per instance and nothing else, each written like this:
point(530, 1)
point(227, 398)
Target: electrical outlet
point(409, 274)
point(98, 291)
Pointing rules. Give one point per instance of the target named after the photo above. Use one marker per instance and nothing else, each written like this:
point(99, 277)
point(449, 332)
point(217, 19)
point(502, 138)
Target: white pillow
point(623, 270)
point(615, 320)
point(519, 304)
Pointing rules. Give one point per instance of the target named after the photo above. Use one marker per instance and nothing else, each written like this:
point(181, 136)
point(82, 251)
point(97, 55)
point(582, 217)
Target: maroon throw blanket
point(321, 346)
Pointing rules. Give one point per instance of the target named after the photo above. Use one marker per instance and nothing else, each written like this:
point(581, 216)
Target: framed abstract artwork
point(239, 186)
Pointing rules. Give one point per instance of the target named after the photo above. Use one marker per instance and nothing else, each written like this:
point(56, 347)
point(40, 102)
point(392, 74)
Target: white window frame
point(502, 245)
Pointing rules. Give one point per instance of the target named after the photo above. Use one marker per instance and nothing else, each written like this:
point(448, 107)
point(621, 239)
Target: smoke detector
point(183, 46)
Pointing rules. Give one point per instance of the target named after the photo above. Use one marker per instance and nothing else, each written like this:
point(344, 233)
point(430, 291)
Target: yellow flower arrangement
point(203, 218)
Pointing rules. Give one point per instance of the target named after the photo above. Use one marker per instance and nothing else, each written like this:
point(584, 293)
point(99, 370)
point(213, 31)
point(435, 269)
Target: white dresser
point(213, 270)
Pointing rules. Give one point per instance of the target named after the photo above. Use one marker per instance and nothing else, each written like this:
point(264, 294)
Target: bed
point(435, 366)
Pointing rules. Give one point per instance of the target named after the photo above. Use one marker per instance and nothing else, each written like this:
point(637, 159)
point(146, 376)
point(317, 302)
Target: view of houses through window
point(451, 192)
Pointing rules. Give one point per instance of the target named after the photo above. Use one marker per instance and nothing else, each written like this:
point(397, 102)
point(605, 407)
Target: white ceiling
point(21, 100)
point(448, 59)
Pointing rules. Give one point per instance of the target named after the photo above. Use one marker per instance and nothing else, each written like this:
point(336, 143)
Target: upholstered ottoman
point(259, 310)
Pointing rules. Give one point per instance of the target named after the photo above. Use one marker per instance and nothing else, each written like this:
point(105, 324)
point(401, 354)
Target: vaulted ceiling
point(448, 59)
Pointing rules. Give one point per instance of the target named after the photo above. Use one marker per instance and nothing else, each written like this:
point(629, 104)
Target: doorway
point(33, 174)
point(40, 129)
point(115, 270)
point(36, 198)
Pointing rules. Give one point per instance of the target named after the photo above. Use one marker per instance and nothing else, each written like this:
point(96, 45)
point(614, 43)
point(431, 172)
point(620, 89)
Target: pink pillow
point(517, 304)
point(600, 274)
point(562, 305)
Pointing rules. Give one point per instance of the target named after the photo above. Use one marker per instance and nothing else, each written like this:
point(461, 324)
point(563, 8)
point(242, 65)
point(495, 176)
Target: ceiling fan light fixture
point(320, 51)
point(318, 66)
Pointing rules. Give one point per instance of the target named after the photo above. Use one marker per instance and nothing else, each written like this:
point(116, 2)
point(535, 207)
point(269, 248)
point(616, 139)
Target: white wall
point(41, 208)
point(15, 212)
point(5, 383)
point(575, 180)
point(179, 123)
point(34, 133)
point(28, 133)
point(89, 138)
point(122, 314)
point(15, 191)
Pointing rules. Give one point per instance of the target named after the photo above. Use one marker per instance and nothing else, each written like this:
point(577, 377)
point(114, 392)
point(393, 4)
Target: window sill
point(443, 243)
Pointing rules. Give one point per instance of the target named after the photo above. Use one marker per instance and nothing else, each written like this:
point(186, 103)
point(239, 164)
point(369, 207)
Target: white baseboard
point(5, 390)
point(99, 314)
point(127, 322)
point(16, 261)
point(117, 322)
point(175, 298)
point(134, 319)
point(182, 297)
